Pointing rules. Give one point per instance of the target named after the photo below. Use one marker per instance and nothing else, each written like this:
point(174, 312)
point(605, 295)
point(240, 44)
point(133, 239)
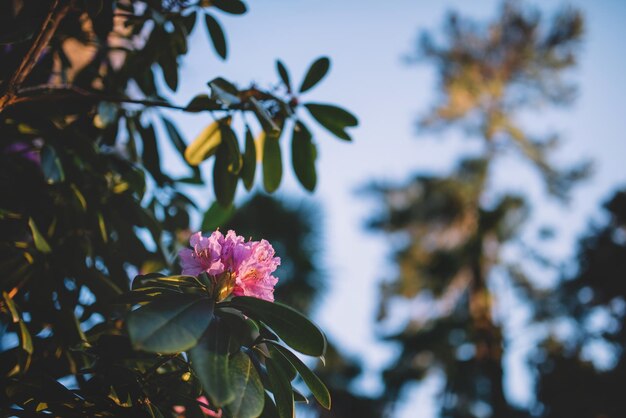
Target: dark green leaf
point(303, 155)
point(284, 74)
point(249, 394)
point(224, 181)
point(189, 22)
point(51, 165)
point(281, 388)
point(269, 410)
point(202, 102)
point(317, 387)
point(232, 145)
point(272, 163)
point(209, 360)
point(40, 242)
point(249, 161)
point(290, 325)
point(170, 324)
point(316, 72)
point(169, 66)
point(216, 216)
point(216, 34)
point(281, 361)
point(333, 118)
point(175, 136)
point(235, 7)
point(150, 154)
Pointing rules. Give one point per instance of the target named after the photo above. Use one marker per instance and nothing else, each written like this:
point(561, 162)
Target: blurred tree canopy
point(448, 231)
point(571, 381)
point(87, 204)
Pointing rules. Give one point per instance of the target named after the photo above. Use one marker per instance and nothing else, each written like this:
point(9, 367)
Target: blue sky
point(366, 41)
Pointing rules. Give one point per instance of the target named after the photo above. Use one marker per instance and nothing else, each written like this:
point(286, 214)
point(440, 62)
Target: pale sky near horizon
point(366, 41)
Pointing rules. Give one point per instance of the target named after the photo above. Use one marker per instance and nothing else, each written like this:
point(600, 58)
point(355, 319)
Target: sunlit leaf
point(249, 394)
point(205, 144)
point(40, 242)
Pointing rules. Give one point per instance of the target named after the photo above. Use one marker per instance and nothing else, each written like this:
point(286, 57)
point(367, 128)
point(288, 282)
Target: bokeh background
point(371, 45)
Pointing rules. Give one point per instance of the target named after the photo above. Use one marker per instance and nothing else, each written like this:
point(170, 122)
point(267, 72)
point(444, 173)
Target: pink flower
point(250, 264)
point(180, 410)
point(204, 256)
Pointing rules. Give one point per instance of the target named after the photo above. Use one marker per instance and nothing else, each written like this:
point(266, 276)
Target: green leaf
point(216, 216)
point(26, 341)
point(272, 163)
point(316, 72)
point(269, 411)
point(249, 393)
point(170, 324)
point(303, 156)
point(224, 181)
point(202, 102)
point(249, 161)
point(216, 34)
point(150, 154)
point(205, 144)
point(281, 388)
point(175, 136)
point(333, 118)
point(235, 7)
point(284, 74)
point(51, 165)
point(317, 387)
point(189, 22)
point(169, 65)
point(282, 361)
point(290, 325)
point(209, 360)
point(229, 138)
point(40, 242)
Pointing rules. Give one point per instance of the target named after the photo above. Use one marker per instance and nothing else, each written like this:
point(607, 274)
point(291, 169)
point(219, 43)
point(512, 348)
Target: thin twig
point(51, 23)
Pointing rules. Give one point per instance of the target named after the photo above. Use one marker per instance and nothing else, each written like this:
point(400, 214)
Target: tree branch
point(51, 23)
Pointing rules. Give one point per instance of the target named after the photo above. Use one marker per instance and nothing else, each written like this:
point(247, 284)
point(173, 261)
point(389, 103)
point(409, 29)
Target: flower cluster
point(248, 265)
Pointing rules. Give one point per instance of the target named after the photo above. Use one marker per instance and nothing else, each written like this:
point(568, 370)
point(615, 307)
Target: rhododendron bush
point(92, 222)
point(221, 313)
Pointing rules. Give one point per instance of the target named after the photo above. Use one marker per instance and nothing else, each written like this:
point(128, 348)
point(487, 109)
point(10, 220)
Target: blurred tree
point(448, 231)
point(86, 202)
point(573, 380)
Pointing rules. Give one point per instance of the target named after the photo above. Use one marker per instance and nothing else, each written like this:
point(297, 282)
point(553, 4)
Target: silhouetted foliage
point(572, 381)
point(447, 231)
